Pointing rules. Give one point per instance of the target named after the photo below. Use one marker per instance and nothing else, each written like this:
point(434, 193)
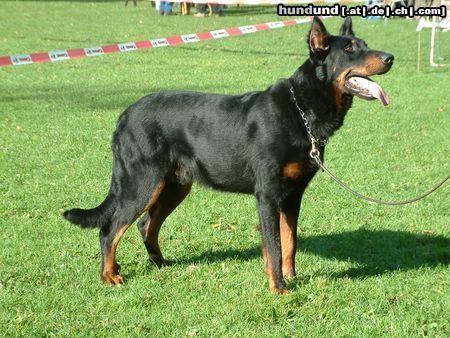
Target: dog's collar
point(315, 142)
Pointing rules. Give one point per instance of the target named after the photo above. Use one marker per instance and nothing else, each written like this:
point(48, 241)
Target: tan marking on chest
point(292, 170)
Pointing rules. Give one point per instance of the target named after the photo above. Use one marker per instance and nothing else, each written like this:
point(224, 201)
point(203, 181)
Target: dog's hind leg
point(172, 195)
point(139, 198)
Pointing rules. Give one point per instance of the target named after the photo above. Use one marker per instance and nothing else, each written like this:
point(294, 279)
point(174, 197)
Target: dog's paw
point(279, 291)
point(159, 261)
point(288, 274)
point(112, 279)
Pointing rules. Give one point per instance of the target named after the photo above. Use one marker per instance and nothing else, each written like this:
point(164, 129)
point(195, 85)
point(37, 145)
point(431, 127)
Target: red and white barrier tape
point(24, 59)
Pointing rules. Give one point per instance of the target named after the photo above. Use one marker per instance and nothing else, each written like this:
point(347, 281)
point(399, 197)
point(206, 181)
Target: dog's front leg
point(269, 217)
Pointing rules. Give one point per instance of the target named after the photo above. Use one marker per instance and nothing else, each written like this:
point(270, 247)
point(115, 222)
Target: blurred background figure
point(214, 9)
point(185, 8)
point(165, 8)
point(370, 4)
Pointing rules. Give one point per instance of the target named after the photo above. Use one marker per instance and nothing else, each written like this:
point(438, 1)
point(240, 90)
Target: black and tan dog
point(254, 143)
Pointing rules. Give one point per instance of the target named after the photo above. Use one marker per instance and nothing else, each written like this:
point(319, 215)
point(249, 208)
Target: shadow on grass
point(244, 52)
point(376, 252)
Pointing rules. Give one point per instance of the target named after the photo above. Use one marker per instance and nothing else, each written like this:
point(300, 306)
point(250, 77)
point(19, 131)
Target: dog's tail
point(93, 218)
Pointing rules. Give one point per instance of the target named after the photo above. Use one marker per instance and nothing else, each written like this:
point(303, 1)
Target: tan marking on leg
point(110, 273)
point(292, 170)
point(268, 269)
point(153, 226)
point(158, 215)
point(264, 253)
point(159, 188)
point(288, 244)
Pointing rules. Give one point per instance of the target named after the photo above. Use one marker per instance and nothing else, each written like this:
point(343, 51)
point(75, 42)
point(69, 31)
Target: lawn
point(363, 270)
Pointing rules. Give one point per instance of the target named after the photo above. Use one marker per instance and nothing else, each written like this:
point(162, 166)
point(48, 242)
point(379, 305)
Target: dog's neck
point(324, 106)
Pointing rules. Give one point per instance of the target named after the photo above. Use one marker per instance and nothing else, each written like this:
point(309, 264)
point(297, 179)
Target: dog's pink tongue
point(372, 87)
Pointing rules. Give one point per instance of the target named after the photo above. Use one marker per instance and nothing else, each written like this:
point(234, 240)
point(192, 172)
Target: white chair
point(435, 24)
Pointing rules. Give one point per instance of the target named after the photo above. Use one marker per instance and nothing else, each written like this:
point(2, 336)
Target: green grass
point(363, 270)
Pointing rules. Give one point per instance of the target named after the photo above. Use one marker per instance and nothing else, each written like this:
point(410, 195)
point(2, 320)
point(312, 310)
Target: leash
point(315, 154)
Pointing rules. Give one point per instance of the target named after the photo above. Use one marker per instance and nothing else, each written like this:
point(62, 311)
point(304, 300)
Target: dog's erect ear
point(318, 36)
point(346, 28)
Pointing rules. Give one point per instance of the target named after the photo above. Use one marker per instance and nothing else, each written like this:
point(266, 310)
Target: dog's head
point(347, 62)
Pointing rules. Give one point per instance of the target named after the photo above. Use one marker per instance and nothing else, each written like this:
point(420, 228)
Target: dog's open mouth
point(366, 89)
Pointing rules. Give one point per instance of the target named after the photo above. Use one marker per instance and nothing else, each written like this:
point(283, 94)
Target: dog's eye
point(350, 48)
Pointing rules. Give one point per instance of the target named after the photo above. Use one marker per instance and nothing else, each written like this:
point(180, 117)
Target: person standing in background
point(165, 8)
point(216, 10)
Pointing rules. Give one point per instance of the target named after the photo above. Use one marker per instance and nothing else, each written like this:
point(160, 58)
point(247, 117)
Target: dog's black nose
point(387, 58)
